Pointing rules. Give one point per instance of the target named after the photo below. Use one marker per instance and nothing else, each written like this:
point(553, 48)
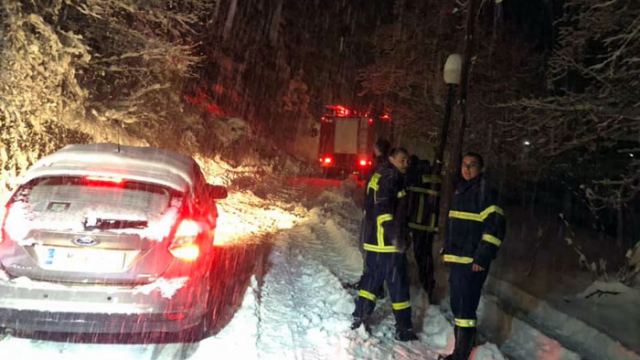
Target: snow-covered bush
point(38, 89)
point(93, 71)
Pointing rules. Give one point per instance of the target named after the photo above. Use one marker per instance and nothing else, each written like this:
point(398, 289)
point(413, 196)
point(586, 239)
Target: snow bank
point(229, 130)
point(245, 217)
point(519, 339)
point(437, 331)
point(567, 329)
point(488, 352)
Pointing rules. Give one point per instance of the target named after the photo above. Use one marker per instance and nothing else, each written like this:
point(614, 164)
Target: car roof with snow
point(146, 164)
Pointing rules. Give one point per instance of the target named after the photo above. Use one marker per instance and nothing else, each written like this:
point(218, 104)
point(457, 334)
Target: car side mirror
point(217, 192)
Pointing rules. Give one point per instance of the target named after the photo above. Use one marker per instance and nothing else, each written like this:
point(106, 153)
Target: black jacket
point(385, 211)
point(476, 224)
point(378, 161)
point(422, 197)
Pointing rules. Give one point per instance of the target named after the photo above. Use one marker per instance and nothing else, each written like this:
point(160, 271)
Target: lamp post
point(452, 74)
point(456, 73)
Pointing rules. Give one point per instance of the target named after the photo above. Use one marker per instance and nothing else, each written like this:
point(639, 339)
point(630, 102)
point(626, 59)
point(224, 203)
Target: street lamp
point(452, 74)
point(453, 69)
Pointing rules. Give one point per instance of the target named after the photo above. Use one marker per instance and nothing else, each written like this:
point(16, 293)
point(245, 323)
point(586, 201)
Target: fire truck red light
point(328, 160)
point(363, 162)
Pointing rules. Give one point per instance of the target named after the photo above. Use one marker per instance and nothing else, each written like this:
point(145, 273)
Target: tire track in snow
point(331, 246)
point(300, 300)
point(277, 302)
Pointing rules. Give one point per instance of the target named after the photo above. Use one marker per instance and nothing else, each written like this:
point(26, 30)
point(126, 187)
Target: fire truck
point(346, 140)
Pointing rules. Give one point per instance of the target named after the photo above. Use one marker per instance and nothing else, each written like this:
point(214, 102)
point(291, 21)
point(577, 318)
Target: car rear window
point(57, 194)
point(80, 203)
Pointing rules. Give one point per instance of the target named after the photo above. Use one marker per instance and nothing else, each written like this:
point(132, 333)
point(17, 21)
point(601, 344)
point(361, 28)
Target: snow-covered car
point(104, 238)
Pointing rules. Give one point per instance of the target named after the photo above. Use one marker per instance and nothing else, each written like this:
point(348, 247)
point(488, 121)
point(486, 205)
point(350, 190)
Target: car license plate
point(82, 260)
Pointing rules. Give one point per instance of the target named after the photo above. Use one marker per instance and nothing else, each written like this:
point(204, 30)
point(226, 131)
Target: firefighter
point(385, 259)
point(475, 230)
point(422, 194)
point(380, 154)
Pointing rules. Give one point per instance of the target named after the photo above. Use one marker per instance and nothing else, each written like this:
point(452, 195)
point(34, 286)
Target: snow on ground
point(296, 308)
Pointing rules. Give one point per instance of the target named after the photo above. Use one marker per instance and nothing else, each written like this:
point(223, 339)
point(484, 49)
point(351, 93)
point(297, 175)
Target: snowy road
point(279, 272)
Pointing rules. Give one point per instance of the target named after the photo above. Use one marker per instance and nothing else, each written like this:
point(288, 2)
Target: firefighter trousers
point(392, 269)
point(422, 251)
point(465, 288)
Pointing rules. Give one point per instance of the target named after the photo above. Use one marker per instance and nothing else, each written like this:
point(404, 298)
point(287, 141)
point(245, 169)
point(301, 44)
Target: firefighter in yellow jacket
point(475, 230)
point(384, 247)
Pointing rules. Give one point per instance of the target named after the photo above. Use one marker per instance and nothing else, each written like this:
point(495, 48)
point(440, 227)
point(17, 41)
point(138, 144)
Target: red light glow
point(15, 223)
point(340, 111)
point(4, 222)
point(104, 179)
point(184, 246)
point(326, 161)
point(364, 162)
point(174, 316)
point(188, 252)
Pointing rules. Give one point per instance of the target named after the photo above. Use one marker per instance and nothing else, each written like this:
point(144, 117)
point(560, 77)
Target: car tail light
point(3, 231)
point(15, 227)
point(184, 245)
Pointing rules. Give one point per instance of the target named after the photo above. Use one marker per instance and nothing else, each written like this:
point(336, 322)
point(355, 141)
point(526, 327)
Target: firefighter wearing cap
point(475, 230)
point(385, 260)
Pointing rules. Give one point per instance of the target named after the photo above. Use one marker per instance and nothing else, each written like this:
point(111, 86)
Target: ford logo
point(85, 241)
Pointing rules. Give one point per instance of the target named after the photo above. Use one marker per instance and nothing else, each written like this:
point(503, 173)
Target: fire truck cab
point(346, 140)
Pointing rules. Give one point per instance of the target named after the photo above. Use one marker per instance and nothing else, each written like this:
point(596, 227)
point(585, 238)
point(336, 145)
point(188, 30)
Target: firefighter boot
point(405, 335)
point(404, 327)
point(465, 339)
point(359, 321)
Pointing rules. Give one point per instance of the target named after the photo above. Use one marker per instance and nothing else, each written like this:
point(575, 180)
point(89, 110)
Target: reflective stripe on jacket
point(424, 192)
point(384, 217)
point(475, 225)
